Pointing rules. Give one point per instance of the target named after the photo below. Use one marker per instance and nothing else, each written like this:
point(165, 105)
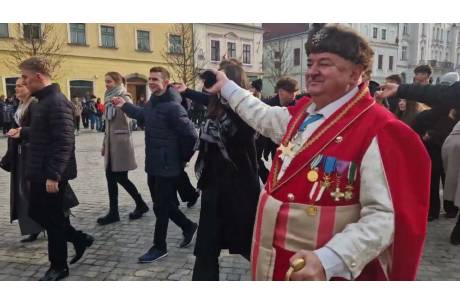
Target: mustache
point(315, 79)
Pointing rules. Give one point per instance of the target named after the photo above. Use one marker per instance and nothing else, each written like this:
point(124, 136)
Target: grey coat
point(118, 143)
point(451, 162)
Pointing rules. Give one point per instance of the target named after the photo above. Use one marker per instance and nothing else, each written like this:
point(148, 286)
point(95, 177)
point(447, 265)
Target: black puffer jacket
point(51, 137)
point(170, 136)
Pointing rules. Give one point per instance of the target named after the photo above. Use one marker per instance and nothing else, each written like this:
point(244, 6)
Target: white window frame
point(250, 53)
point(69, 36)
point(115, 35)
point(210, 49)
point(150, 40)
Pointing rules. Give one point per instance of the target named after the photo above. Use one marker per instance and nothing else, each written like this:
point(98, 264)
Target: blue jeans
point(98, 123)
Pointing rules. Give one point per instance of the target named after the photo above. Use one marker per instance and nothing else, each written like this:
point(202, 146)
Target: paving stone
point(114, 253)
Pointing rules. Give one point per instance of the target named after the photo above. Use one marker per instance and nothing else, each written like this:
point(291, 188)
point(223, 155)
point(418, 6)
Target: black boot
point(455, 235)
point(141, 209)
point(111, 217)
point(55, 275)
point(30, 238)
point(81, 245)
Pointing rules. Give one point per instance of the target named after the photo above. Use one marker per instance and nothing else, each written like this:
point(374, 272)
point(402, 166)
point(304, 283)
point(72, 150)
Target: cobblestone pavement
point(114, 254)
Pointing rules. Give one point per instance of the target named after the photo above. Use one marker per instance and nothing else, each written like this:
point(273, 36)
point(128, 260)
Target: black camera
point(209, 78)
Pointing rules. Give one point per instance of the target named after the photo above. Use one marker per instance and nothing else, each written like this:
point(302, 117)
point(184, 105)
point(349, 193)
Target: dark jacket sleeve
point(134, 112)
point(196, 96)
point(432, 95)
point(62, 145)
point(185, 129)
point(25, 131)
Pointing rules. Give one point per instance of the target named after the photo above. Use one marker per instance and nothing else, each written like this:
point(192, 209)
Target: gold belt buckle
point(312, 210)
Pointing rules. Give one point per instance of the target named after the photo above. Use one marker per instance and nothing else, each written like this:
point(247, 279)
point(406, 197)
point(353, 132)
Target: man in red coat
point(347, 196)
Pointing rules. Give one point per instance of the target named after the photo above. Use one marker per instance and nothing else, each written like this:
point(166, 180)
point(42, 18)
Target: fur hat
point(341, 41)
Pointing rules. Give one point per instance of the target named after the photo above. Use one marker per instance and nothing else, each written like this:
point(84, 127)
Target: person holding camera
point(227, 171)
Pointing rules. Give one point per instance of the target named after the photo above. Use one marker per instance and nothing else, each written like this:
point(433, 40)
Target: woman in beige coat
point(118, 151)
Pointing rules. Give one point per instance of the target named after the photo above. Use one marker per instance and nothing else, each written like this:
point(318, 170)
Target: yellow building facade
point(90, 50)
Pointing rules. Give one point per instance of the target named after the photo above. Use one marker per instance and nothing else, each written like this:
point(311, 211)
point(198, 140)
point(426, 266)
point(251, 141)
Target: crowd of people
point(347, 197)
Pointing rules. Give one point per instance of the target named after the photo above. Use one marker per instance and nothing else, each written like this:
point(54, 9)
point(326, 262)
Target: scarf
point(110, 109)
point(22, 110)
point(216, 131)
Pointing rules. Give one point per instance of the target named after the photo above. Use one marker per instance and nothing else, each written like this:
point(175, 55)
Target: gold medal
point(312, 210)
point(313, 175)
point(348, 192)
point(326, 183)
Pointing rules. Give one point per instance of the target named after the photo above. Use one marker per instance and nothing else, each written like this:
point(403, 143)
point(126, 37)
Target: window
point(246, 54)
point(437, 34)
point(175, 44)
point(390, 63)
point(404, 53)
point(423, 29)
point(4, 30)
point(215, 50)
point(10, 84)
point(81, 88)
point(384, 34)
point(77, 33)
point(231, 49)
point(375, 33)
point(447, 56)
point(143, 40)
point(107, 36)
point(406, 29)
point(277, 54)
point(442, 35)
point(297, 57)
point(31, 30)
point(380, 62)
point(422, 53)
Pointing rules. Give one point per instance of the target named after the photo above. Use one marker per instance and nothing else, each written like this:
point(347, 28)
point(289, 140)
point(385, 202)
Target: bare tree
point(37, 40)
point(181, 53)
point(277, 60)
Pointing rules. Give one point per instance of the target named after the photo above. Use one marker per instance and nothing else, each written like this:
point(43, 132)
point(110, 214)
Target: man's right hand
point(221, 81)
point(118, 101)
point(180, 87)
point(387, 90)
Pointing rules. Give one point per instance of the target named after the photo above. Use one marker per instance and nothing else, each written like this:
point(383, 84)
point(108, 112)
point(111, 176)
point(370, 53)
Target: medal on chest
point(313, 174)
point(329, 167)
point(340, 166)
point(352, 170)
point(286, 151)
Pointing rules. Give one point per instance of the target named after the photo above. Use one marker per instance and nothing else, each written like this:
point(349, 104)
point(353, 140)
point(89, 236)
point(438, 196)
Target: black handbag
point(70, 199)
point(6, 163)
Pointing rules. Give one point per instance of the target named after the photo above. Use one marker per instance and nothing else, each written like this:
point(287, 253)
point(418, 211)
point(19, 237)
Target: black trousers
point(115, 178)
point(163, 191)
point(77, 123)
point(185, 188)
point(206, 269)
point(47, 210)
point(437, 173)
point(84, 120)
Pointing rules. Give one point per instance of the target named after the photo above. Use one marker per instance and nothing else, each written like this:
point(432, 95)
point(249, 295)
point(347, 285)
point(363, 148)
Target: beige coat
point(451, 162)
point(118, 143)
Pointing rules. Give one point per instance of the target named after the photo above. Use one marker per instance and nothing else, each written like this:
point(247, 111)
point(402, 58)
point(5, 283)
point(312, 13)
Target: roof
point(274, 30)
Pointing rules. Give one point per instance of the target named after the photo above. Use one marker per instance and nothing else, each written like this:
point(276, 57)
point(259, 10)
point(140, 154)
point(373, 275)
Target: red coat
point(345, 135)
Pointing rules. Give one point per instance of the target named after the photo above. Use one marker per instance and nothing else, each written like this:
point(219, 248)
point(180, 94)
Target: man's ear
point(357, 73)
point(167, 82)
